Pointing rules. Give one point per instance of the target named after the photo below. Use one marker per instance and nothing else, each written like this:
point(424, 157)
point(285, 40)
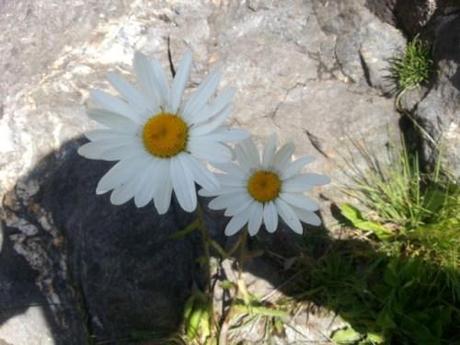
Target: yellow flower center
point(264, 186)
point(165, 135)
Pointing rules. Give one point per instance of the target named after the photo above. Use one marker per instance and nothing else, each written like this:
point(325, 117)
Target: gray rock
point(437, 108)
point(111, 270)
point(364, 44)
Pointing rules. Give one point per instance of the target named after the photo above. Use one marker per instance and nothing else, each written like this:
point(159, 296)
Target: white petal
point(296, 184)
point(307, 216)
point(222, 101)
point(147, 184)
point(146, 79)
point(228, 134)
point(270, 217)
point(244, 200)
point(304, 182)
point(183, 184)
point(209, 150)
point(161, 81)
point(104, 134)
point(124, 193)
point(255, 218)
point(113, 120)
point(109, 149)
point(231, 200)
point(115, 105)
point(222, 190)
point(295, 167)
point(251, 151)
point(269, 151)
point(288, 215)
point(244, 161)
point(162, 195)
point(119, 174)
point(134, 97)
point(180, 81)
point(229, 180)
point(283, 156)
point(201, 96)
point(231, 169)
point(213, 123)
point(201, 175)
point(300, 201)
point(236, 223)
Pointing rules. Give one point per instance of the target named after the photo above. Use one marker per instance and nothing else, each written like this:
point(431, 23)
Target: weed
point(414, 67)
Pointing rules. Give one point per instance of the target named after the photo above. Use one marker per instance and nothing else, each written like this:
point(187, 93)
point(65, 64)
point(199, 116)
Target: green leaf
point(356, 218)
point(346, 336)
point(187, 230)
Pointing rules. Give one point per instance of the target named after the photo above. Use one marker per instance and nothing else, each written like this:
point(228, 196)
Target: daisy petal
point(135, 98)
point(113, 120)
point(214, 123)
point(180, 81)
point(121, 172)
point(269, 151)
point(222, 101)
point(251, 151)
point(297, 184)
point(289, 216)
point(202, 176)
point(221, 191)
point(209, 150)
point(146, 79)
point(228, 134)
point(104, 134)
point(115, 105)
point(201, 96)
point(244, 161)
point(162, 196)
point(124, 193)
point(237, 207)
point(255, 218)
point(147, 185)
point(270, 217)
point(283, 156)
point(295, 167)
point(183, 184)
point(236, 223)
point(307, 216)
point(231, 200)
point(107, 149)
point(300, 201)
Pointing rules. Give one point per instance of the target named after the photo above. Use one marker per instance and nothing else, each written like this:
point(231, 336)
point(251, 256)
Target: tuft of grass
point(414, 67)
point(396, 278)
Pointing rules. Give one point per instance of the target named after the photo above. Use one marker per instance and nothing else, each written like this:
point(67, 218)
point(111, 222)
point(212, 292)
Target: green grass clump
point(396, 278)
point(414, 67)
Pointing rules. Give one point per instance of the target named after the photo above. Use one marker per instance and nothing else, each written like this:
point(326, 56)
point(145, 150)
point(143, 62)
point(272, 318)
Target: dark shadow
point(103, 271)
point(107, 272)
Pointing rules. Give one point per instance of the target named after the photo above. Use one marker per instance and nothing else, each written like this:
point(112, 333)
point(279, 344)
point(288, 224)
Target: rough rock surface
point(302, 69)
point(437, 107)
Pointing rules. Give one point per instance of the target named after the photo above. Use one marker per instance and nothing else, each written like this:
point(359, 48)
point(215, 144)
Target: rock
point(112, 270)
point(361, 56)
point(437, 108)
point(411, 16)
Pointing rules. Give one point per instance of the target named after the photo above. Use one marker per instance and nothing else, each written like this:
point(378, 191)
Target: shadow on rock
point(101, 271)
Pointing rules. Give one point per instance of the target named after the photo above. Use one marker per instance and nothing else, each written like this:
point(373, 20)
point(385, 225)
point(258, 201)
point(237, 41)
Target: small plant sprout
point(255, 191)
point(160, 141)
point(414, 67)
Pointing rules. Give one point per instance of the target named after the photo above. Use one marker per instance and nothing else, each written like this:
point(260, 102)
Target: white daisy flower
point(256, 191)
point(158, 140)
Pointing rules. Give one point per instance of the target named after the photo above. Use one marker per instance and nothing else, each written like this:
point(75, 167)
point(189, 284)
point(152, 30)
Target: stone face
point(302, 69)
point(438, 108)
point(363, 45)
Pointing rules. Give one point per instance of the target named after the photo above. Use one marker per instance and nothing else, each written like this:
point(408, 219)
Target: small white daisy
point(159, 140)
point(256, 191)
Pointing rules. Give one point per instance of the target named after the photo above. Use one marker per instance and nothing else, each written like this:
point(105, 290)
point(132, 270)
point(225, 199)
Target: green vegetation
point(414, 67)
point(396, 279)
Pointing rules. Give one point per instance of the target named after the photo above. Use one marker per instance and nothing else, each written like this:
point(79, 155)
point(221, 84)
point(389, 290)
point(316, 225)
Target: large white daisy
point(256, 191)
point(159, 140)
